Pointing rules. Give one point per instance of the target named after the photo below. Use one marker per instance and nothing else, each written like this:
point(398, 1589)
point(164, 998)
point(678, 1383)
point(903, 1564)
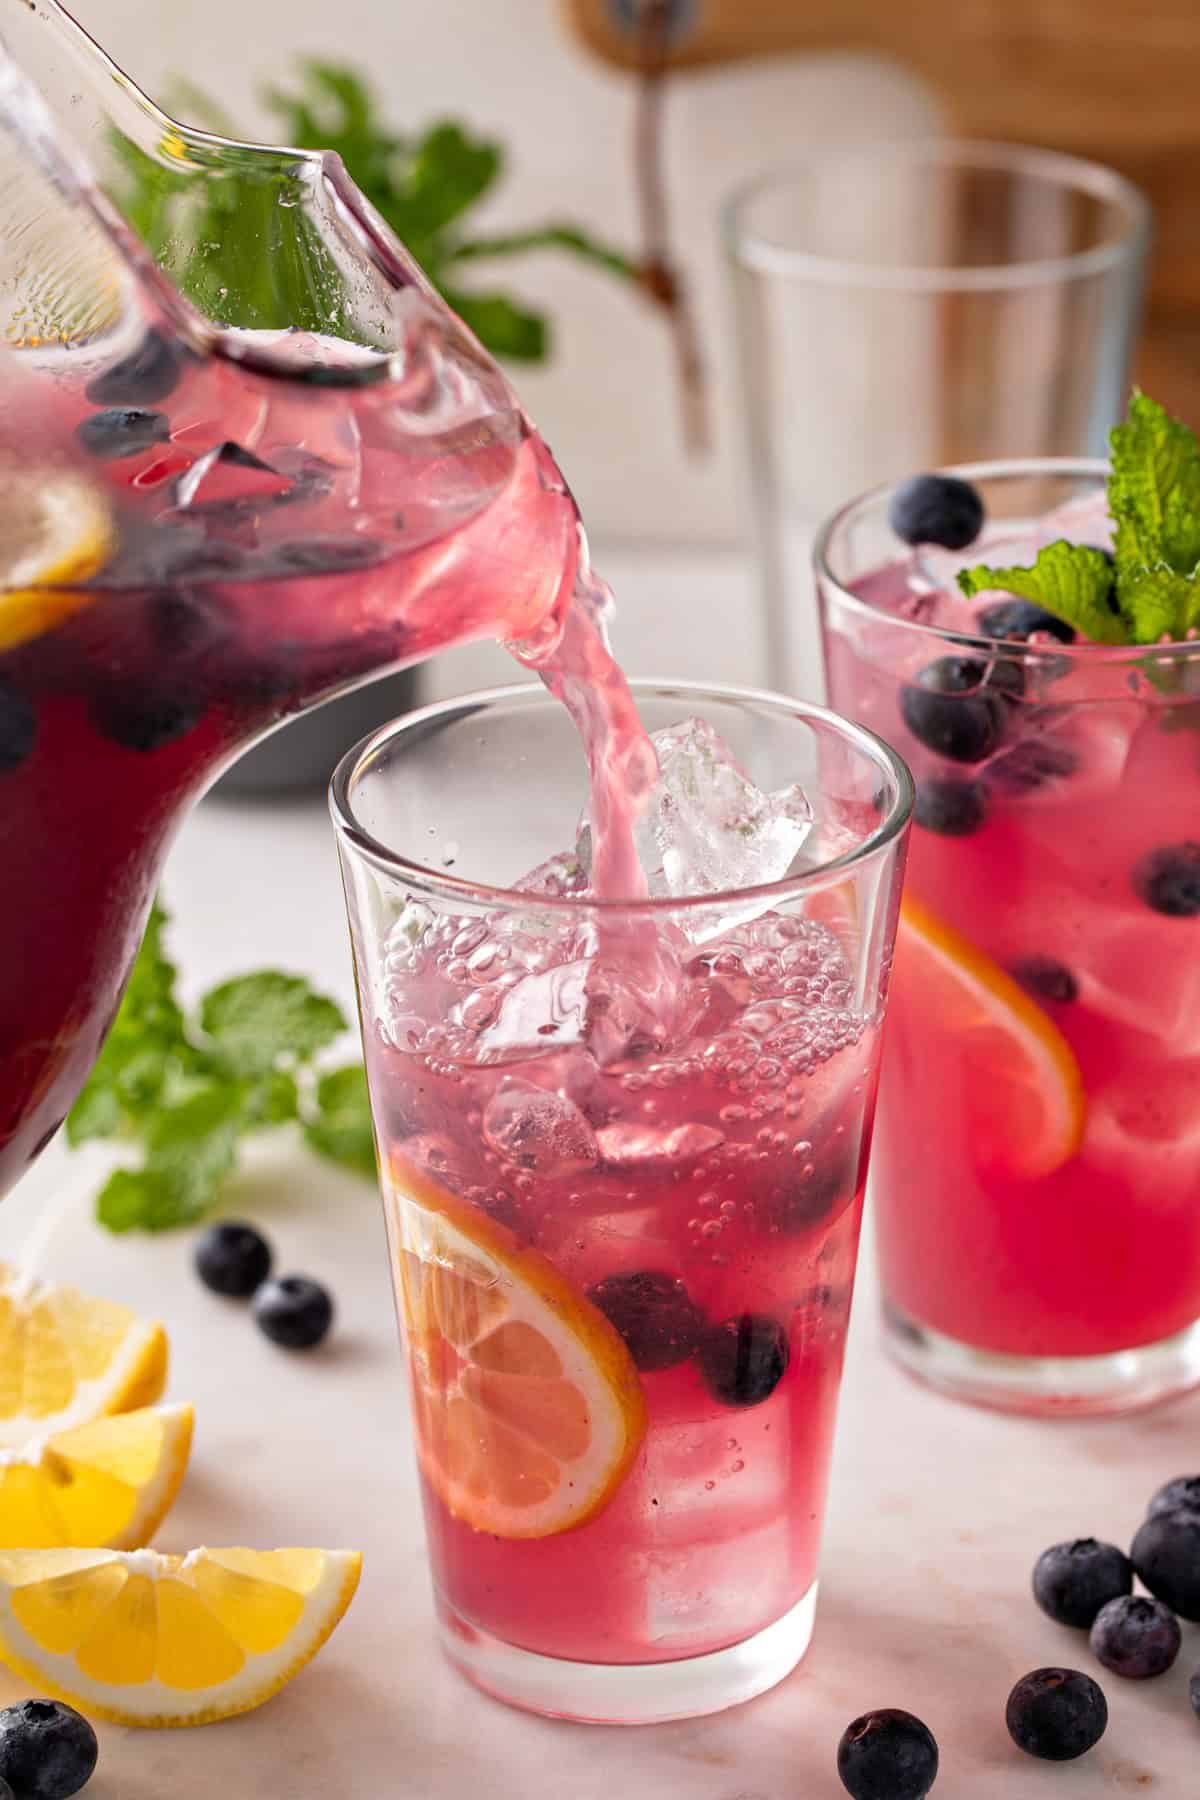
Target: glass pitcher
point(227, 492)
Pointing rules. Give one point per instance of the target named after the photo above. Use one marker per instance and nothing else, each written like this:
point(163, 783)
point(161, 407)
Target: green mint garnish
point(185, 1090)
point(1152, 589)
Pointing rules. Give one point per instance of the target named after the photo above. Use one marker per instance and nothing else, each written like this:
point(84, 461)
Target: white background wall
point(510, 68)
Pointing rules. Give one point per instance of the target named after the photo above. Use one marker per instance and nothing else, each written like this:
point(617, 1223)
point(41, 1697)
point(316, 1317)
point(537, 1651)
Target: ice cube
point(539, 1129)
point(708, 830)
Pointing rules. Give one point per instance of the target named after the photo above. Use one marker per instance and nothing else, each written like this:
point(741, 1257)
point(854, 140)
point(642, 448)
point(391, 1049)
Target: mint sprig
point(1151, 589)
point(187, 1090)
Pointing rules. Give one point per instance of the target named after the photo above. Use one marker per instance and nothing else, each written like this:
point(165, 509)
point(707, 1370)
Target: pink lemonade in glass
point(1038, 1156)
point(624, 1151)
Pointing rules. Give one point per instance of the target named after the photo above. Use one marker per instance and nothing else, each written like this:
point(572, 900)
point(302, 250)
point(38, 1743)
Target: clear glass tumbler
point(1038, 1157)
point(912, 305)
point(623, 1151)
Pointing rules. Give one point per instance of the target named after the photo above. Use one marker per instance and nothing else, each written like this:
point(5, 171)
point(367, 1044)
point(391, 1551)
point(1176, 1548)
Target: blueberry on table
point(1166, 1557)
point(950, 808)
point(147, 374)
point(1181, 1494)
point(140, 721)
point(233, 1258)
point(18, 727)
point(1071, 1582)
point(1017, 620)
point(1169, 880)
point(1135, 1637)
point(294, 1313)
point(1048, 979)
point(936, 509)
point(122, 431)
point(1056, 1714)
point(887, 1755)
point(1194, 1693)
point(654, 1313)
point(744, 1359)
point(952, 709)
point(47, 1750)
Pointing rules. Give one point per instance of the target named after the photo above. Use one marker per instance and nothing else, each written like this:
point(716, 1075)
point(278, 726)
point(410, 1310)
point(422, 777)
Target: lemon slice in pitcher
point(56, 531)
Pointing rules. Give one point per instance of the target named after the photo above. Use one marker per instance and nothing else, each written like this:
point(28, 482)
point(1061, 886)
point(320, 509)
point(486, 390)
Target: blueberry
point(147, 374)
point(1017, 620)
point(1071, 1582)
point(232, 1258)
point(951, 808)
point(18, 727)
point(1136, 1637)
point(1194, 1693)
point(887, 1755)
point(1032, 763)
point(1169, 880)
point(141, 721)
point(122, 431)
point(936, 509)
point(743, 1359)
point(1166, 1556)
point(329, 555)
point(1056, 1714)
point(47, 1750)
point(1182, 1494)
point(953, 709)
point(295, 1312)
point(654, 1313)
point(1047, 979)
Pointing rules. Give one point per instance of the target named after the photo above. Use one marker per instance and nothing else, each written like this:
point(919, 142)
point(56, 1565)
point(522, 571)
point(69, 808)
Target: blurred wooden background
point(1114, 80)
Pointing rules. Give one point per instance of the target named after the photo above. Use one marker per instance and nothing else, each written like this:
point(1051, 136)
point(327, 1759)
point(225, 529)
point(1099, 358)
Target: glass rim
point(761, 255)
point(355, 835)
point(1006, 469)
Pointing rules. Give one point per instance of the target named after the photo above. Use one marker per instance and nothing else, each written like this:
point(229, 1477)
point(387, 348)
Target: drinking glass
point(1038, 1157)
point(622, 1150)
point(911, 305)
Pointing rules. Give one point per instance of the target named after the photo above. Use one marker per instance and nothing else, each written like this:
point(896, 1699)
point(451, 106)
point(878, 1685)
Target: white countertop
point(936, 1512)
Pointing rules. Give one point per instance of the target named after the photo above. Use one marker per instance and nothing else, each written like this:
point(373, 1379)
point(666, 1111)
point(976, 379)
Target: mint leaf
point(192, 1146)
point(1159, 603)
point(1154, 491)
point(138, 1200)
point(273, 1100)
point(339, 1127)
point(506, 328)
point(255, 1020)
point(1073, 581)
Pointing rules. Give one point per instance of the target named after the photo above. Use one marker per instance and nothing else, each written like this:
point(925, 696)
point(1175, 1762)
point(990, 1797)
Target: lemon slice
point(1023, 1088)
point(526, 1403)
point(55, 531)
point(147, 1639)
point(110, 1483)
point(66, 1358)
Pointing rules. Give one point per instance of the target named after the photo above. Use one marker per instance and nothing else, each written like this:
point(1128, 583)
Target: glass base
point(629, 1693)
point(1046, 1386)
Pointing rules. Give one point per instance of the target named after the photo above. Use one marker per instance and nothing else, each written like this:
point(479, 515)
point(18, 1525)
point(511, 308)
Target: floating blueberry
point(329, 555)
point(744, 1359)
point(1135, 1637)
point(1032, 763)
point(1166, 1556)
point(141, 721)
point(1056, 1714)
point(47, 1750)
point(951, 808)
point(233, 1258)
point(122, 431)
point(887, 1755)
point(1017, 620)
point(1047, 979)
point(295, 1313)
point(1071, 1582)
point(18, 727)
point(654, 1313)
point(147, 374)
point(952, 708)
point(1180, 1495)
point(936, 509)
point(1169, 880)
